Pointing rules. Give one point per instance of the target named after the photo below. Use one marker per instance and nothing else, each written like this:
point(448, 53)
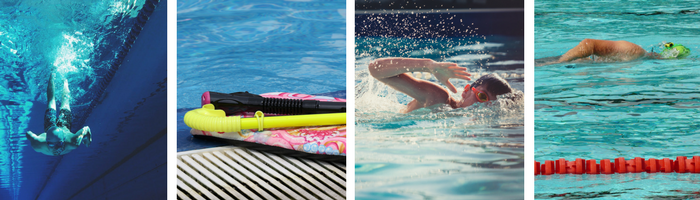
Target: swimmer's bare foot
point(85, 136)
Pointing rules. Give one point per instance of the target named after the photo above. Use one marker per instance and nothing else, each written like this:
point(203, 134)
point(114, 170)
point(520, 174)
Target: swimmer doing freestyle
point(394, 72)
point(57, 139)
point(617, 51)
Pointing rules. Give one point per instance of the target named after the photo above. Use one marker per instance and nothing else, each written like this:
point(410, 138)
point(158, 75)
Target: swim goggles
point(480, 95)
point(668, 45)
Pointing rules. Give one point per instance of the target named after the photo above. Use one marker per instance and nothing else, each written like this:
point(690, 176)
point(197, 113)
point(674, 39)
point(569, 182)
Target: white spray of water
point(374, 96)
point(72, 62)
point(72, 56)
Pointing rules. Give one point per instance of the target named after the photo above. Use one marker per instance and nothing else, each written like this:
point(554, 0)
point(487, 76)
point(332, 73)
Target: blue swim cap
point(674, 51)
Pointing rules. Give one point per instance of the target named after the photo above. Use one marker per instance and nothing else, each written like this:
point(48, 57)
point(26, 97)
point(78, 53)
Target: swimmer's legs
point(65, 117)
point(50, 114)
point(65, 104)
point(49, 94)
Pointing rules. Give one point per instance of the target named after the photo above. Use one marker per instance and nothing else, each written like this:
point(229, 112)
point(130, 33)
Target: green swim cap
point(674, 51)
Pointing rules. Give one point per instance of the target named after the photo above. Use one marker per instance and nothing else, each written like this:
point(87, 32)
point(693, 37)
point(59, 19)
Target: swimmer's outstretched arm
point(38, 142)
point(391, 67)
point(36, 139)
point(622, 50)
point(83, 136)
point(393, 72)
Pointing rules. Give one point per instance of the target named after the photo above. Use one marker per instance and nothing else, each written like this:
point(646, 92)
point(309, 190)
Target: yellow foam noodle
point(209, 119)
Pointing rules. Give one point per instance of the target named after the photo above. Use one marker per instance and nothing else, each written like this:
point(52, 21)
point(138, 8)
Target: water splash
point(373, 96)
point(424, 143)
point(73, 56)
point(671, 53)
point(376, 102)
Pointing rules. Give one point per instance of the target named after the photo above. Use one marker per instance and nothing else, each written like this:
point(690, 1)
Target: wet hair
point(494, 84)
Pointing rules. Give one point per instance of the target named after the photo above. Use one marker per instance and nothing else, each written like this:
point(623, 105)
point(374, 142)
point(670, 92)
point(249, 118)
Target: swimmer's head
point(56, 147)
point(674, 51)
point(491, 84)
point(54, 140)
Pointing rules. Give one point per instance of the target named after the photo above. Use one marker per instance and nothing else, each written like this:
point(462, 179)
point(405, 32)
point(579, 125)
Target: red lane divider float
point(619, 165)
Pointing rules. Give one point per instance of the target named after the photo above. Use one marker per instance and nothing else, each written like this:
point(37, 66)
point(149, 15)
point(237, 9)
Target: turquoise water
point(259, 46)
point(619, 186)
point(644, 108)
point(474, 152)
point(77, 39)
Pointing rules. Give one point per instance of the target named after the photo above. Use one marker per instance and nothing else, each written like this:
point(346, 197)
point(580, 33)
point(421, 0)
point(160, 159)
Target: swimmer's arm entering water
point(620, 50)
point(393, 72)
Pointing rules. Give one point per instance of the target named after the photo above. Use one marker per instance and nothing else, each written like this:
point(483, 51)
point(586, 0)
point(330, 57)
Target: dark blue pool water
point(259, 47)
point(124, 103)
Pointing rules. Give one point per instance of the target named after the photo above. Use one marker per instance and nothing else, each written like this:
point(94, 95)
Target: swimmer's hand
point(444, 71)
point(30, 135)
point(85, 136)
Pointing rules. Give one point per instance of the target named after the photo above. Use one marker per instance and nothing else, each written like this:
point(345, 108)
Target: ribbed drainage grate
point(238, 173)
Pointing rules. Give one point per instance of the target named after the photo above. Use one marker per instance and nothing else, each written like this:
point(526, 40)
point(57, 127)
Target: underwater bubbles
point(73, 54)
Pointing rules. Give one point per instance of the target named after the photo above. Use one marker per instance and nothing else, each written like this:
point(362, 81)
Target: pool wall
point(127, 157)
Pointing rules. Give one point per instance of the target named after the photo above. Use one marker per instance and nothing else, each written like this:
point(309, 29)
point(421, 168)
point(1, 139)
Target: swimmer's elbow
point(373, 68)
point(30, 136)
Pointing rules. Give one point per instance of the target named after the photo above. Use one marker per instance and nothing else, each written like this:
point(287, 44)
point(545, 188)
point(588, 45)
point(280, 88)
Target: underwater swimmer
point(57, 139)
point(394, 73)
point(617, 51)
